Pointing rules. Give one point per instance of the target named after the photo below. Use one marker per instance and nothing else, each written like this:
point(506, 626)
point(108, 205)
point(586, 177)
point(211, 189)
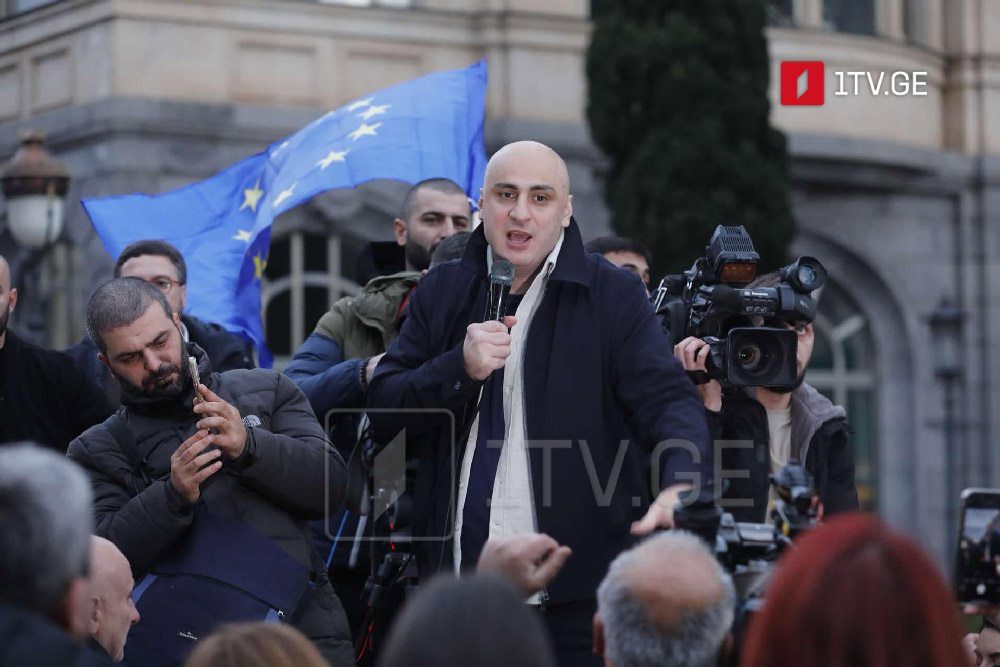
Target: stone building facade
point(898, 195)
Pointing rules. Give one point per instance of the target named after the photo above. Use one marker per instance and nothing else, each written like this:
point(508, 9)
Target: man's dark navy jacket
point(598, 370)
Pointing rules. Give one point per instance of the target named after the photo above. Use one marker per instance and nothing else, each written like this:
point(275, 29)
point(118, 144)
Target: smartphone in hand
point(978, 553)
point(196, 378)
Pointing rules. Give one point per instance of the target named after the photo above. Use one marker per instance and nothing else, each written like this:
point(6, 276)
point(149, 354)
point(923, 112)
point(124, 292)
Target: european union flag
point(426, 128)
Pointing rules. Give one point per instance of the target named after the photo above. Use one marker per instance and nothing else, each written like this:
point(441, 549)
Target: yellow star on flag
point(259, 264)
point(242, 235)
point(364, 130)
point(334, 156)
point(283, 195)
point(373, 111)
point(360, 103)
point(252, 196)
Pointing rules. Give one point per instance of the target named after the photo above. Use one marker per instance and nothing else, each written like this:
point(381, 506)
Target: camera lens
point(806, 274)
point(749, 356)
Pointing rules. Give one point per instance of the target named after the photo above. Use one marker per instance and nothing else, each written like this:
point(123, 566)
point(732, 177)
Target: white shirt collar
point(184, 332)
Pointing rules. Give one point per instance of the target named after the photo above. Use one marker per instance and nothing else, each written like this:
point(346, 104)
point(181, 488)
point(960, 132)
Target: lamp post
point(946, 324)
point(34, 186)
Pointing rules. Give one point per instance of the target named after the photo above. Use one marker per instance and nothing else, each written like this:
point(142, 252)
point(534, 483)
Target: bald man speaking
point(570, 418)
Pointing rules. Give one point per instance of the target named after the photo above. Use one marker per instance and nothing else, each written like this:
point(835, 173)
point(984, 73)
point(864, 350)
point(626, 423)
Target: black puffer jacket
point(276, 486)
point(820, 438)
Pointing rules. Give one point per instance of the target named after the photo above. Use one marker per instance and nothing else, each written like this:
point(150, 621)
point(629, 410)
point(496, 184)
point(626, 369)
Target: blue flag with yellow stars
point(426, 128)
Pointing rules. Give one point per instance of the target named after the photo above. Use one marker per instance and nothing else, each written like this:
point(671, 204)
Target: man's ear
point(177, 321)
point(480, 205)
point(12, 301)
point(103, 358)
point(94, 615)
point(399, 229)
point(598, 647)
point(569, 211)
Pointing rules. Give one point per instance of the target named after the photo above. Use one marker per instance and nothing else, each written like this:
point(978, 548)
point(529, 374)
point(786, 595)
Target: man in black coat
point(783, 424)
point(266, 462)
point(44, 396)
point(162, 265)
point(565, 425)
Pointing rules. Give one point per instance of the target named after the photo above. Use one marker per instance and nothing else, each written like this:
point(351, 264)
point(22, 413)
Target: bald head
point(4, 273)
point(108, 564)
point(666, 602)
point(534, 152)
point(525, 205)
point(112, 611)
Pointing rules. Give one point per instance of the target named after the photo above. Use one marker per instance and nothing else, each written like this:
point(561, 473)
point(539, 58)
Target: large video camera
point(710, 301)
point(751, 547)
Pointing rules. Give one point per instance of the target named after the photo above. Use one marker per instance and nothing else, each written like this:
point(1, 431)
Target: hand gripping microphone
point(501, 279)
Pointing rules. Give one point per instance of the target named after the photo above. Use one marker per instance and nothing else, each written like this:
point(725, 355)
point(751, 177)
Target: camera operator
point(785, 423)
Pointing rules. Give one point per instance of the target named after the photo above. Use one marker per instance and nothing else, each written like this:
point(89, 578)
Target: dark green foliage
point(678, 101)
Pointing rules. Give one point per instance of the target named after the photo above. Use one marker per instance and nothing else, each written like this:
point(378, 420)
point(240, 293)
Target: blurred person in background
point(476, 621)
point(624, 252)
point(854, 593)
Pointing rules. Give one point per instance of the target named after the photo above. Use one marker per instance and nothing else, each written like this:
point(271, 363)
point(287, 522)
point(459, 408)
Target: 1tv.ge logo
point(803, 83)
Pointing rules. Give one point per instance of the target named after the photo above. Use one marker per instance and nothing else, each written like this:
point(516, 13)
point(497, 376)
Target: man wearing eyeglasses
point(783, 423)
point(162, 265)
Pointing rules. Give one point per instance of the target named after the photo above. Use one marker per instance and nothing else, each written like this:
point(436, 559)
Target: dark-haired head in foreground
point(139, 338)
point(477, 621)
point(853, 592)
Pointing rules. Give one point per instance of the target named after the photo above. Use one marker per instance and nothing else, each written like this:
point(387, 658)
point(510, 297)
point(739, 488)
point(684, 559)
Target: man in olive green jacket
point(334, 364)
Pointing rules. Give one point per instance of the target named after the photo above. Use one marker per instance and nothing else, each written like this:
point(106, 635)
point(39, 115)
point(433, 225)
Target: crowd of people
point(180, 506)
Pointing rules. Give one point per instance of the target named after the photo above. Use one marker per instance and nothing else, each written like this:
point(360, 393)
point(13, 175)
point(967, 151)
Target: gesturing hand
point(231, 434)
point(531, 560)
point(486, 347)
point(189, 467)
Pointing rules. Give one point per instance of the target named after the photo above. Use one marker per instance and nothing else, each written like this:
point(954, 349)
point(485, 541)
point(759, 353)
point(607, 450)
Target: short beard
point(418, 257)
point(132, 393)
point(787, 390)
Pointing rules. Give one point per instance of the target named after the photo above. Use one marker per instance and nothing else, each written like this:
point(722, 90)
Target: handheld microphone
point(501, 279)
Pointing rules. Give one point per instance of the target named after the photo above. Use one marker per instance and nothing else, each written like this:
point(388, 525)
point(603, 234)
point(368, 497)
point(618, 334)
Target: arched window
point(842, 368)
point(302, 280)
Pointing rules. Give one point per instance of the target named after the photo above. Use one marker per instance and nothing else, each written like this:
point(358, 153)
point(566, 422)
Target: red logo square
point(802, 82)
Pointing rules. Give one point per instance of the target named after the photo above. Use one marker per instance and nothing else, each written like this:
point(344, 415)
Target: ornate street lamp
point(946, 324)
point(34, 186)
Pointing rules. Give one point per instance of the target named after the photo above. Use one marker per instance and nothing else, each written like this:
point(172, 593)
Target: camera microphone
point(501, 279)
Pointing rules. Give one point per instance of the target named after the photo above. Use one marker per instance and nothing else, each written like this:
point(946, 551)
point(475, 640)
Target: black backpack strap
point(121, 434)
